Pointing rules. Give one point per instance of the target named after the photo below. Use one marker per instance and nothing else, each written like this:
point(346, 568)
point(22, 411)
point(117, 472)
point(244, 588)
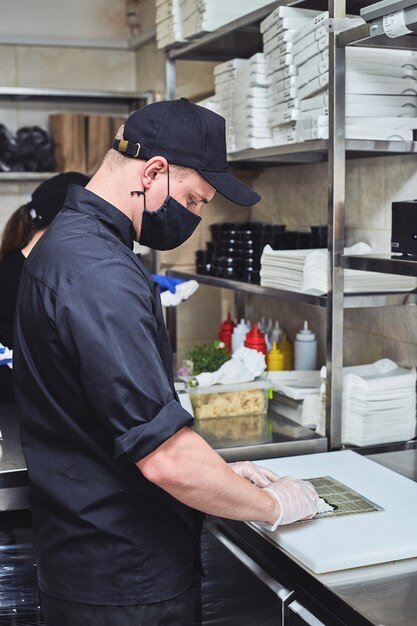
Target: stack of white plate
point(306, 271)
point(378, 404)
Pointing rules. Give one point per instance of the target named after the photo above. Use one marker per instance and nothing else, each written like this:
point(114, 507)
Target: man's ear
point(153, 168)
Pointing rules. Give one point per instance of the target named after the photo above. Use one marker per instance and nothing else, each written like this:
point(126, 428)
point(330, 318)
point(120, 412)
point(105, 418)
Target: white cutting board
point(327, 545)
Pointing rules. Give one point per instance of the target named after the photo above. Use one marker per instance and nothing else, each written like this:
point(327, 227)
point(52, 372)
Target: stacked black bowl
point(236, 248)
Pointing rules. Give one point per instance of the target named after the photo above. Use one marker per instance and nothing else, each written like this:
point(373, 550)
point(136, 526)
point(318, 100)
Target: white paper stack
point(378, 404)
point(250, 106)
point(168, 23)
point(200, 16)
point(305, 412)
point(278, 30)
point(306, 271)
point(381, 90)
point(297, 396)
point(224, 86)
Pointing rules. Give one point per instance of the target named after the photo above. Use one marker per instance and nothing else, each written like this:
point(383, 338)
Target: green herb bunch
point(208, 357)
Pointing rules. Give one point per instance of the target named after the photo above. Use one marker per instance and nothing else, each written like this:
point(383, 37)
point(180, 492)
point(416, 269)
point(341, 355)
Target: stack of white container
point(200, 16)
point(224, 86)
point(381, 85)
point(378, 404)
point(381, 89)
point(311, 59)
point(250, 106)
point(278, 31)
point(168, 23)
point(241, 96)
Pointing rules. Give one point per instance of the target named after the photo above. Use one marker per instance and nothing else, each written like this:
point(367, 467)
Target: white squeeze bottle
point(239, 335)
point(276, 333)
point(305, 350)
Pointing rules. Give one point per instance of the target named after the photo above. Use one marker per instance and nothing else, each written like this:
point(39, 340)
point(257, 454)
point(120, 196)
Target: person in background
point(23, 229)
point(118, 479)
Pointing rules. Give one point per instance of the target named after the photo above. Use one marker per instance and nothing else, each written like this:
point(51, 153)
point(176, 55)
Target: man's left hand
point(258, 475)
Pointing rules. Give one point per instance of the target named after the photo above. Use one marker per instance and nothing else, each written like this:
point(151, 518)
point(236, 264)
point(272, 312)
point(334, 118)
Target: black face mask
point(167, 227)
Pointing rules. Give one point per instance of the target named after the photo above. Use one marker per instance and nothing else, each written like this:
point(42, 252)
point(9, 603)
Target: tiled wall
point(297, 196)
point(43, 19)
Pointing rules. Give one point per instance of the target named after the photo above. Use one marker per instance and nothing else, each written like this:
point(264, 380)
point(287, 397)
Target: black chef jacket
point(10, 271)
point(95, 389)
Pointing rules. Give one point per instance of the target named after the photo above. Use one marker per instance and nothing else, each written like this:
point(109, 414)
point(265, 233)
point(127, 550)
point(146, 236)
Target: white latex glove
point(297, 500)
point(182, 292)
point(258, 475)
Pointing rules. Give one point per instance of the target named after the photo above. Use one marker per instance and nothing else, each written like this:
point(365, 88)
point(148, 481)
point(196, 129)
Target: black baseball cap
point(185, 134)
point(48, 198)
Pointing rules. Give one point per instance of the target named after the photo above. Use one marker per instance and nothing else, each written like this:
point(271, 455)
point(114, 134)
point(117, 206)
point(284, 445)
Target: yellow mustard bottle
point(287, 349)
point(274, 359)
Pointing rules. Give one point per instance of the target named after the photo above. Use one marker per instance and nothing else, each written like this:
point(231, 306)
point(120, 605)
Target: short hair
point(180, 172)
point(114, 159)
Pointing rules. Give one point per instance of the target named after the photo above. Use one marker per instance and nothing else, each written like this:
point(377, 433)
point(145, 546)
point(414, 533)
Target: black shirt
point(10, 270)
point(93, 370)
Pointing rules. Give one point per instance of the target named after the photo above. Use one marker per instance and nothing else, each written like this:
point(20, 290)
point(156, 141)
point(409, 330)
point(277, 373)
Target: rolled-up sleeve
point(106, 321)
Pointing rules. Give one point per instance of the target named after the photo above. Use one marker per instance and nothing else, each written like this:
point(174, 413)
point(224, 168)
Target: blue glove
point(167, 283)
point(6, 356)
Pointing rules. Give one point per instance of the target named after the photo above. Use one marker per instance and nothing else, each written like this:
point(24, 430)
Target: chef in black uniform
point(118, 479)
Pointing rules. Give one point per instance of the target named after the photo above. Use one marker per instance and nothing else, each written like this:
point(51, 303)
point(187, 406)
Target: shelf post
point(170, 78)
point(336, 218)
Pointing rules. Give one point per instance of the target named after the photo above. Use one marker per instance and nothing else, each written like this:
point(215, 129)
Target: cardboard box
point(68, 134)
point(99, 140)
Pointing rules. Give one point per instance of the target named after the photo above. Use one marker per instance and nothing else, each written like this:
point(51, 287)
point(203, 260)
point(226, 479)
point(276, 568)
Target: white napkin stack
point(306, 271)
point(297, 396)
point(378, 404)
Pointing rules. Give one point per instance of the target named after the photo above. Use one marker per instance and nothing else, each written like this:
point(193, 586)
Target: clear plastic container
point(227, 415)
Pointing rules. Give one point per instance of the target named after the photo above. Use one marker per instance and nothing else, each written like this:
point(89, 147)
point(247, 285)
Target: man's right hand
point(297, 499)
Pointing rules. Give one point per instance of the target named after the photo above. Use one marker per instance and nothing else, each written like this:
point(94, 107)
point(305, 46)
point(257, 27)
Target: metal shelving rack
point(130, 100)
point(227, 43)
point(350, 300)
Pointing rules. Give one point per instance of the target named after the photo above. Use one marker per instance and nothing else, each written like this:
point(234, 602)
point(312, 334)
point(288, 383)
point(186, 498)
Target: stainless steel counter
point(285, 438)
point(377, 595)
point(13, 472)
